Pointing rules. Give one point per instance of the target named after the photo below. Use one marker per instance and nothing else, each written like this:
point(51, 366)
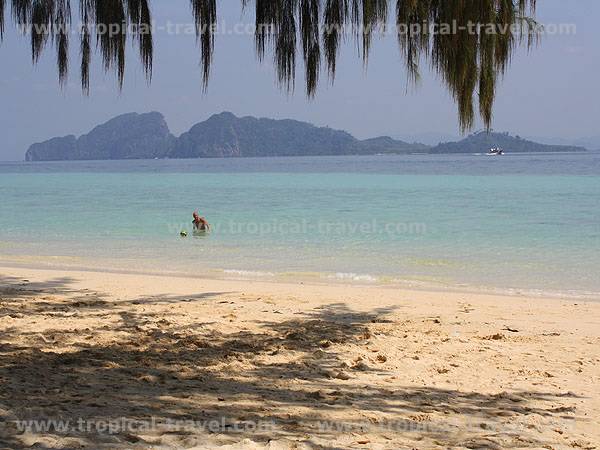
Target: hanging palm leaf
point(2, 8)
point(469, 60)
point(205, 16)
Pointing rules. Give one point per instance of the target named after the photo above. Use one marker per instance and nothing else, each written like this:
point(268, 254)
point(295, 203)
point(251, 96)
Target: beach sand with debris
point(109, 360)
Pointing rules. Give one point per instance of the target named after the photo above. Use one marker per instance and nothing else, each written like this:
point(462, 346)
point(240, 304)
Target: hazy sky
point(552, 91)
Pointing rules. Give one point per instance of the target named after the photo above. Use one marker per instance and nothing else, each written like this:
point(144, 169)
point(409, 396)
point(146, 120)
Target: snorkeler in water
point(200, 223)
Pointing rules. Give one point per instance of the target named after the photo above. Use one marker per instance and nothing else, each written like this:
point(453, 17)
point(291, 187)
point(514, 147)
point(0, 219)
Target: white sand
point(309, 365)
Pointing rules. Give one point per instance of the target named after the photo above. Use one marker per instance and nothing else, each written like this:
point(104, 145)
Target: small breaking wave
point(248, 273)
point(353, 277)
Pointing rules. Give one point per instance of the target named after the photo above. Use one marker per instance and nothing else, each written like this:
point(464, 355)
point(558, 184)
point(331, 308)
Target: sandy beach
point(105, 360)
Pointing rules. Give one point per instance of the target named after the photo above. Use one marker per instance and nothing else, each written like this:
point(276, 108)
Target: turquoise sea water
point(518, 222)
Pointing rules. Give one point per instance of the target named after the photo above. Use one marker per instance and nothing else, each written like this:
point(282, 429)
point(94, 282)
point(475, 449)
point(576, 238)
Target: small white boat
point(495, 152)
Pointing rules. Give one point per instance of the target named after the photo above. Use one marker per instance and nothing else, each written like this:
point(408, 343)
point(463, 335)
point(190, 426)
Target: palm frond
point(336, 12)
point(2, 9)
point(467, 60)
point(21, 11)
point(285, 43)
point(42, 14)
point(374, 14)
point(139, 15)
point(86, 52)
point(311, 42)
point(469, 63)
point(205, 16)
point(62, 23)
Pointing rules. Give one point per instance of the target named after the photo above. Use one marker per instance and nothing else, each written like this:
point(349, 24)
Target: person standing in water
point(200, 223)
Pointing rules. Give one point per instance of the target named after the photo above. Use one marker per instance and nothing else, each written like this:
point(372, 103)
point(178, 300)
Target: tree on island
point(468, 43)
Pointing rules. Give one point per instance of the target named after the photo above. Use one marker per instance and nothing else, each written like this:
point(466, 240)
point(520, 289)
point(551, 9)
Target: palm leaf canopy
point(468, 43)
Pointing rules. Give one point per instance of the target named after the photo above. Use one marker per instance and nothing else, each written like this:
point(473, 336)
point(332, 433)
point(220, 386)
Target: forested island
point(147, 136)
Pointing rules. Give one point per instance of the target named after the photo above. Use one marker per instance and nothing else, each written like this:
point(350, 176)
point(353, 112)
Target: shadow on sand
point(151, 368)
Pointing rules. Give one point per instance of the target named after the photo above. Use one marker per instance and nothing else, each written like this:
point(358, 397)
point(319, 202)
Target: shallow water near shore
point(519, 222)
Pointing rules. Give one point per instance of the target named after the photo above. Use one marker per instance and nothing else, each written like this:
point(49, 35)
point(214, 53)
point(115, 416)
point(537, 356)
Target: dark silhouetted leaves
point(468, 62)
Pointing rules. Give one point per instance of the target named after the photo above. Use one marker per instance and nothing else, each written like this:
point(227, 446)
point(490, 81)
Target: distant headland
point(147, 136)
